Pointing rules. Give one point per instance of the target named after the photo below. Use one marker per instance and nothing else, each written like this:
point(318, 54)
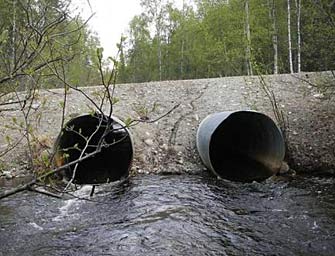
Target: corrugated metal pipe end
point(83, 135)
point(241, 145)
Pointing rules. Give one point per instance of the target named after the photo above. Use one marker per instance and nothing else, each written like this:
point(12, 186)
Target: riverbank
point(168, 144)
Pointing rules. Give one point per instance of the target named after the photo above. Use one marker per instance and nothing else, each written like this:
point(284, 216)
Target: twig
point(43, 192)
point(40, 178)
point(11, 147)
point(114, 184)
point(82, 153)
point(18, 189)
point(13, 102)
point(150, 121)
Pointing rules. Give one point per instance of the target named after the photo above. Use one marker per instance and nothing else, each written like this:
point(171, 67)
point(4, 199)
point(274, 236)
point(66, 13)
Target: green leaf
point(8, 139)
point(65, 155)
point(115, 100)
point(4, 36)
point(128, 121)
point(100, 51)
point(62, 104)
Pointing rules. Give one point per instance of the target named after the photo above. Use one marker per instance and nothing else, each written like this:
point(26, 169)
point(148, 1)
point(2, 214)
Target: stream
point(175, 215)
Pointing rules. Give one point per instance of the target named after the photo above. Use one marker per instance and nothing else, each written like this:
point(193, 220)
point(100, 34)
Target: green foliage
point(319, 35)
point(41, 41)
point(211, 40)
point(41, 46)
point(41, 153)
point(128, 121)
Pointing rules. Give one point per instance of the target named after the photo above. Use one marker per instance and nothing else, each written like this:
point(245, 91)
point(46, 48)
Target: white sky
point(111, 19)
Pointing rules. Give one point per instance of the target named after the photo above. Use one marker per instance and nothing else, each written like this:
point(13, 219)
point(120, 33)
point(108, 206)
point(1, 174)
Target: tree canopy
point(41, 40)
point(208, 38)
point(227, 38)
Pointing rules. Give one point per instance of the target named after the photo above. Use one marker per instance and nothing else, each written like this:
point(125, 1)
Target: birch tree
point(273, 18)
point(156, 12)
point(298, 10)
point(13, 34)
point(247, 31)
point(140, 67)
point(227, 38)
point(289, 40)
point(182, 44)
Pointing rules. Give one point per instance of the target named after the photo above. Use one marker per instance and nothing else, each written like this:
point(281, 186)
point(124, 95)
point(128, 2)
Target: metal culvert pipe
point(83, 135)
point(241, 145)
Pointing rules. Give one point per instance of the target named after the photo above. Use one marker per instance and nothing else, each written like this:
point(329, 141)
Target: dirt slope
point(168, 145)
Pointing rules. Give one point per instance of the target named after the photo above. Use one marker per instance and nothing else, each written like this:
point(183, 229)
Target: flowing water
point(175, 215)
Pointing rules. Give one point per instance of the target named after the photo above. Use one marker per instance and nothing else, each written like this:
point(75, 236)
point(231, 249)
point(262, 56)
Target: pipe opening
point(245, 146)
point(110, 164)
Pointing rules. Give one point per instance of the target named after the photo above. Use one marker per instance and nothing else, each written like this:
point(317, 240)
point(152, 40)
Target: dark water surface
point(175, 215)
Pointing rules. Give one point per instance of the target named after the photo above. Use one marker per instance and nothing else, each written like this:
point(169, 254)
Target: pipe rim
point(114, 119)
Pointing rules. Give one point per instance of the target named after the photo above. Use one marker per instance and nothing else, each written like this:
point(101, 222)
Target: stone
point(164, 147)
point(8, 175)
point(149, 142)
point(318, 95)
point(284, 168)
point(180, 161)
point(35, 106)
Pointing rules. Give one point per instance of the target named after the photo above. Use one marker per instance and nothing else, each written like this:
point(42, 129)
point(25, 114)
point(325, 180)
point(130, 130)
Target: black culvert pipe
point(114, 160)
point(241, 145)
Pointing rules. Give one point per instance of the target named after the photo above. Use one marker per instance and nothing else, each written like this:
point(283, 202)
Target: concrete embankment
point(168, 144)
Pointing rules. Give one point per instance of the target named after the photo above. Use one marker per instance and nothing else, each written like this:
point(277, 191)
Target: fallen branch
point(44, 192)
point(28, 185)
point(21, 188)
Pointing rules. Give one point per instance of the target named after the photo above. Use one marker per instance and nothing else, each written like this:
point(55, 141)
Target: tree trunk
point(159, 15)
point(247, 31)
point(13, 60)
point(298, 10)
point(159, 56)
point(182, 46)
point(182, 60)
point(273, 18)
point(160, 61)
point(289, 36)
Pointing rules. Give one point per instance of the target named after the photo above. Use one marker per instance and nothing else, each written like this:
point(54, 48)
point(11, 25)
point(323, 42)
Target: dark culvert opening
point(111, 164)
point(246, 146)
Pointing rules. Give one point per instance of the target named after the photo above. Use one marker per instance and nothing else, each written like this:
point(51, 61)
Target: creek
point(175, 215)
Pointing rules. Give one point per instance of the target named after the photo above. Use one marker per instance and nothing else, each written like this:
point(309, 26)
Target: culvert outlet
point(241, 145)
point(84, 135)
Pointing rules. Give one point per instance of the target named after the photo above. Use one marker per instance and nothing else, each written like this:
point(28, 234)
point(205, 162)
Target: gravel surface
point(168, 145)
